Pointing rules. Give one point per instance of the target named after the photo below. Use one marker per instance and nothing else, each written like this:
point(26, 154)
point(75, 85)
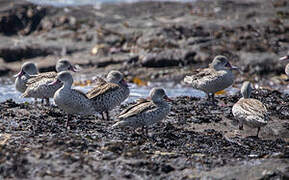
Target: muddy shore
point(153, 41)
point(191, 143)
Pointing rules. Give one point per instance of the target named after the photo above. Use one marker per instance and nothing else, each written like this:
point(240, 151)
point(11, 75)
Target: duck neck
point(67, 84)
point(159, 102)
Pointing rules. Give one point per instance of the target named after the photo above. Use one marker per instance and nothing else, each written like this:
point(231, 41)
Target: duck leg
point(241, 126)
point(208, 96)
point(258, 131)
point(67, 120)
point(47, 101)
point(35, 101)
point(213, 99)
point(107, 115)
point(102, 116)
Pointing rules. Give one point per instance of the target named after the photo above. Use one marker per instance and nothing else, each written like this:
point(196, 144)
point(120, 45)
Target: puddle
point(8, 91)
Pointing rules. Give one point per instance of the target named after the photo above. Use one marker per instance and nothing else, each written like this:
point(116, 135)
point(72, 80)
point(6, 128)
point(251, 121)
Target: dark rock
point(16, 53)
point(22, 19)
point(168, 58)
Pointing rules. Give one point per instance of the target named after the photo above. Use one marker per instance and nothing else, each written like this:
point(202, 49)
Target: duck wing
point(200, 73)
point(141, 106)
point(38, 77)
point(102, 87)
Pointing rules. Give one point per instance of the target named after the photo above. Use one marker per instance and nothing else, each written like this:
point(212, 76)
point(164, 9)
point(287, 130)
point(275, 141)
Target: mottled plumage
point(38, 87)
point(72, 101)
point(217, 77)
point(146, 111)
point(27, 70)
point(250, 111)
point(109, 94)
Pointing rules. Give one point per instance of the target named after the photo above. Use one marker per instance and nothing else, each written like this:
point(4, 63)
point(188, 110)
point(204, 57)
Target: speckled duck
point(27, 70)
point(72, 101)
point(38, 87)
point(249, 111)
point(146, 111)
point(109, 94)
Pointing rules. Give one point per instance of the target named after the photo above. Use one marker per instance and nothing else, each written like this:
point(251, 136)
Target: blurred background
point(152, 43)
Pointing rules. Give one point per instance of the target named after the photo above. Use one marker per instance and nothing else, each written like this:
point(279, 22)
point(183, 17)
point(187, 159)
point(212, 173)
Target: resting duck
point(250, 111)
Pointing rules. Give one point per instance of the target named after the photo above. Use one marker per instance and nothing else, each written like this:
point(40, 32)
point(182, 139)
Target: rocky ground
point(195, 141)
point(153, 42)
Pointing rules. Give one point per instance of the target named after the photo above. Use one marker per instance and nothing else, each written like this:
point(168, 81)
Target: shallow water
point(8, 91)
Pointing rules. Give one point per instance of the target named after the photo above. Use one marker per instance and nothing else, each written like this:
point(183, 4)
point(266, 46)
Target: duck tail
point(120, 124)
point(188, 79)
point(24, 95)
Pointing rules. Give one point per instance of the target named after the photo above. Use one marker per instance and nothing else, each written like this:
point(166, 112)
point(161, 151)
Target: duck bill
point(73, 68)
point(123, 82)
point(236, 68)
point(284, 58)
point(168, 99)
point(54, 82)
point(19, 74)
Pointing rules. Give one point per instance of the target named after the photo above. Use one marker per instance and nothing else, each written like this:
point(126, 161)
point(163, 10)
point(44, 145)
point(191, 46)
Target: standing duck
point(146, 111)
point(217, 77)
point(109, 94)
point(250, 111)
point(72, 101)
point(27, 70)
point(38, 87)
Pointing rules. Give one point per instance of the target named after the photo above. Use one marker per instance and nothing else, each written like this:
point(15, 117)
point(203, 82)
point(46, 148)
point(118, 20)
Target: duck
point(108, 94)
point(27, 70)
point(70, 100)
point(250, 111)
point(37, 86)
point(218, 76)
point(146, 111)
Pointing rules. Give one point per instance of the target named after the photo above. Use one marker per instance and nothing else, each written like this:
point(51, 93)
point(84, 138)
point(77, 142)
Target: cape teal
point(249, 111)
point(72, 101)
point(146, 111)
point(217, 77)
point(106, 95)
point(27, 70)
point(37, 86)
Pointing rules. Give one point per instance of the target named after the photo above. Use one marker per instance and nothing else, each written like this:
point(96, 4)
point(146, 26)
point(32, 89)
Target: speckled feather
point(144, 113)
point(141, 106)
point(70, 100)
point(40, 76)
point(73, 101)
point(210, 80)
point(251, 111)
point(106, 95)
point(41, 89)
